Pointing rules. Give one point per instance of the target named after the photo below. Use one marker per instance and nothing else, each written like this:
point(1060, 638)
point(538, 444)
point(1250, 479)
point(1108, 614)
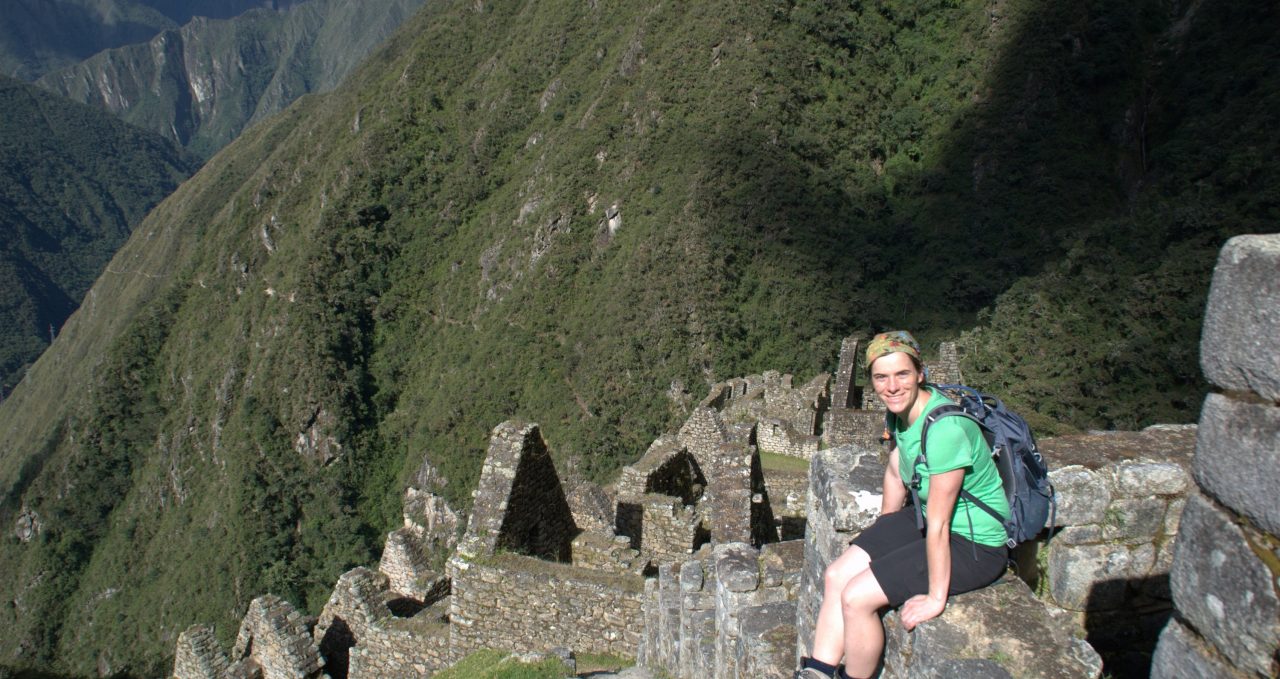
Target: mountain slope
point(73, 182)
point(576, 213)
point(200, 85)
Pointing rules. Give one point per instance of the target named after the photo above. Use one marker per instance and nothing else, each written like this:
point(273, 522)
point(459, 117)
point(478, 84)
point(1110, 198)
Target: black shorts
point(898, 561)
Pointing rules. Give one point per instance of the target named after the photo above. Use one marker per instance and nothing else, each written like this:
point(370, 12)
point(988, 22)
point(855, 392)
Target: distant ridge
point(201, 84)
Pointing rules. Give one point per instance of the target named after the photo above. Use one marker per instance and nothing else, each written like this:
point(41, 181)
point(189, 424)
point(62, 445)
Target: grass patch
point(773, 462)
point(498, 665)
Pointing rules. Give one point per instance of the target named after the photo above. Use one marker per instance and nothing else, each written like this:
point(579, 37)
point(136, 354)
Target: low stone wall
point(779, 437)
point(519, 604)
point(399, 648)
point(667, 530)
point(1225, 576)
point(728, 613)
point(1120, 495)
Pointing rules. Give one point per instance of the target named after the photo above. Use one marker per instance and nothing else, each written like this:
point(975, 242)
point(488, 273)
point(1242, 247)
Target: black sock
point(829, 670)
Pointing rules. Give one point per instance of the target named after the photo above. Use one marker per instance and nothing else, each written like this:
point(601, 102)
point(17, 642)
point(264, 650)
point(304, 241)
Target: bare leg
point(829, 632)
point(861, 602)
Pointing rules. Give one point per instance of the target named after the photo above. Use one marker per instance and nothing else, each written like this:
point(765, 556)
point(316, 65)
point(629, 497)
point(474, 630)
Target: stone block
point(1238, 462)
point(1001, 628)
point(1078, 535)
point(1223, 590)
point(1180, 654)
point(1082, 495)
point(1134, 520)
point(767, 640)
point(1089, 577)
point(1144, 478)
point(1240, 345)
point(845, 484)
point(737, 567)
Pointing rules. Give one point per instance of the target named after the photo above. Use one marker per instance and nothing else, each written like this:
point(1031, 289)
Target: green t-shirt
point(954, 443)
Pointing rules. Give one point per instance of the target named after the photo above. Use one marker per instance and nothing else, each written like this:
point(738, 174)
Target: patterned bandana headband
point(889, 342)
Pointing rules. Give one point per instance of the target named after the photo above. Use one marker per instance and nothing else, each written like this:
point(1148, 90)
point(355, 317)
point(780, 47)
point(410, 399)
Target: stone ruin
point(683, 562)
point(1225, 576)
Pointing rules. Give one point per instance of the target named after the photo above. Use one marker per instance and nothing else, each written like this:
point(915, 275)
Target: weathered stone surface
point(1223, 590)
point(1144, 478)
point(1180, 655)
point(736, 568)
point(767, 640)
point(1098, 450)
point(1002, 626)
point(1240, 460)
point(846, 487)
point(519, 501)
point(1240, 345)
point(1082, 495)
point(1082, 577)
point(1134, 520)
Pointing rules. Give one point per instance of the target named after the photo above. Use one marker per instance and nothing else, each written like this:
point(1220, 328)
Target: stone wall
point(781, 438)
point(404, 648)
point(517, 603)
point(728, 613)
point(275, 637)
point(1120, 495)
point(1225, 576)
point(519, 502)
point(199, 655)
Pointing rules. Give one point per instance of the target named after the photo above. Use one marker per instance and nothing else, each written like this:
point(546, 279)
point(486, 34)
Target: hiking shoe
point(810, 673)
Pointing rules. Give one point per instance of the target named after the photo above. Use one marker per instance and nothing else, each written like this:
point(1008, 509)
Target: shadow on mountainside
point(948, 180)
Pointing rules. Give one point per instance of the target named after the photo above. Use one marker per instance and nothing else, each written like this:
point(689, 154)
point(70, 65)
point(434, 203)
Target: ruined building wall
point(274, 636)
point(199, 655)
point(531, 516)
point(1225, 576)
point(520, 604)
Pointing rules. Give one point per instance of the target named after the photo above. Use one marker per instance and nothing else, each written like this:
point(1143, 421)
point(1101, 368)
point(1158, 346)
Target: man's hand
point(920, 608)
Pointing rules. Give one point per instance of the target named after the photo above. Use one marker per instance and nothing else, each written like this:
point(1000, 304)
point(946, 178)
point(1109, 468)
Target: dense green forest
point(584, 213)
point(73, 182)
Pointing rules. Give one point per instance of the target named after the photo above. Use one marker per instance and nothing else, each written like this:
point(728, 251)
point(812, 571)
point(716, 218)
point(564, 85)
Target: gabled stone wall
point(276, 638)
point(199, 655)
point(530, 516)
point(1225, 577)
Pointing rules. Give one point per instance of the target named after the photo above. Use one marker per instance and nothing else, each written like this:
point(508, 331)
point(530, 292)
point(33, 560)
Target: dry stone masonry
point(685, 562)
point(1225, 576)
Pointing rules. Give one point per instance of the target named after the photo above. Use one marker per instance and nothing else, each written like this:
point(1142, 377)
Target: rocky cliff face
point(37, 36)
point(201, 84)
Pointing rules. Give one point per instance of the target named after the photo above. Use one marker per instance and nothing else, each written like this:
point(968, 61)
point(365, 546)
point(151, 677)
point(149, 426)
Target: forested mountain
point(581, 213)
point(37, 36)
point(73, 182)
point(201, 84)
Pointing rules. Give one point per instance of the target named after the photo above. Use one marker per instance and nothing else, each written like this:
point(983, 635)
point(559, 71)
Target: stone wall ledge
point(998, 631)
